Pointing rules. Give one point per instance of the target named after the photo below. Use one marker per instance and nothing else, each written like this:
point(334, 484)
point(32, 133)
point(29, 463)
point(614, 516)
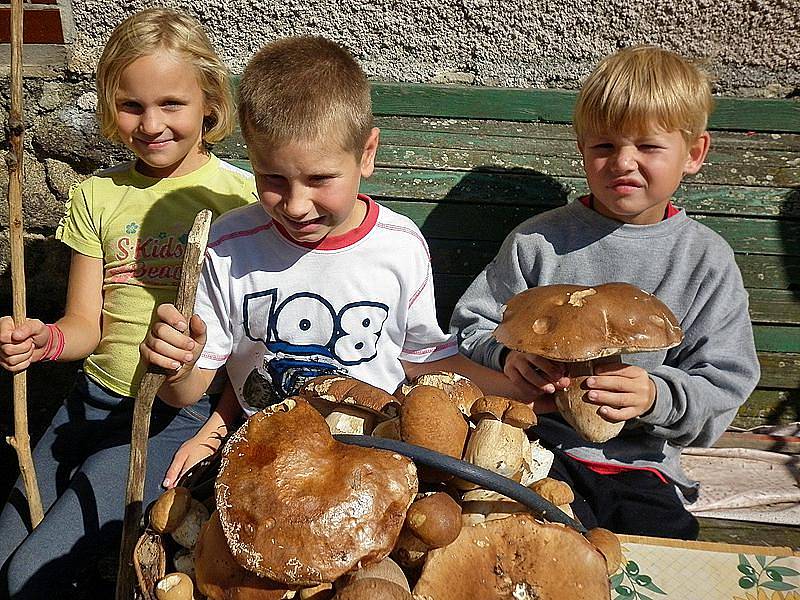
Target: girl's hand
point(191, 452)
point(622, 391)
point(24, 345)
point(172, 344)
point(545, 375)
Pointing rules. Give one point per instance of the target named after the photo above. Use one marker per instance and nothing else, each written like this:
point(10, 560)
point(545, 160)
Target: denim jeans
point(81, 465)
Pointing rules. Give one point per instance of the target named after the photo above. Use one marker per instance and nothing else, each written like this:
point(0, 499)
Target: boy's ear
point(370, 150)
point(697, 153)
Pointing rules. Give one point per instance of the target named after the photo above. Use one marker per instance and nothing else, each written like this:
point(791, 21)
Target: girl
point(164, 93)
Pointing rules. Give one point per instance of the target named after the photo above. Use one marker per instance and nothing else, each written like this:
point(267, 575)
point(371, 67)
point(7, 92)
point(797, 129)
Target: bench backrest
point(467, 164)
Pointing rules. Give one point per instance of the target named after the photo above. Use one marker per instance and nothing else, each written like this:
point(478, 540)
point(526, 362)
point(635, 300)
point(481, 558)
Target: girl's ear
point(698, 150)
point(370, 150)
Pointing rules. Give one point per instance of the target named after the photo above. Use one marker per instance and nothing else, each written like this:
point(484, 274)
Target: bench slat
point(511, 104)
point(468, 257)
point(750, 141)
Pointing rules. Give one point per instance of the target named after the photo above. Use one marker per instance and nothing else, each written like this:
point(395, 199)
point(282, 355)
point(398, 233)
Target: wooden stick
point(140, 430)
point(20, 441)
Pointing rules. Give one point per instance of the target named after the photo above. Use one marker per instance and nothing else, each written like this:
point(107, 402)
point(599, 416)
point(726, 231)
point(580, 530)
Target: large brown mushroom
point(515, 557)
point(301, 508)
point(584, 326)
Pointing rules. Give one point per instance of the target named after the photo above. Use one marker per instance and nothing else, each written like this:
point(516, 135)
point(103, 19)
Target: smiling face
point(311, 190)
point(633, 176)
point(160, 109)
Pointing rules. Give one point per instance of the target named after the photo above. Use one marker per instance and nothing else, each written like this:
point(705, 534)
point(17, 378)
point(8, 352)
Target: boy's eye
point(320, 179)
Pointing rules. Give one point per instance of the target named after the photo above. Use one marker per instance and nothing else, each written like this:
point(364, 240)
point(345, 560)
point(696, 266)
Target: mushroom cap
point(504, 409)
point(515, 557)
point(169, 509)
point(220, 577)
point(461, 390)
point(338, 389)
point(573, 323)
point(372, 588)
point(554, 491)
point(608, 544)
point(175, 586)
point(430, 420)
point(301, 508)
point(386, 569)
point(435, 519)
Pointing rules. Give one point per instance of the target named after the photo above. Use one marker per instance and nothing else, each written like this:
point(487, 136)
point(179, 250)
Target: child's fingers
point(167, 313)
point(522, 372)
point(174, 471)
point(163, 354)
point(32, 329)
point(198, 329)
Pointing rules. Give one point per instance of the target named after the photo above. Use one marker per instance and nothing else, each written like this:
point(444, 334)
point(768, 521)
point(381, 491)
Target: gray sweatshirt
point(700, 384)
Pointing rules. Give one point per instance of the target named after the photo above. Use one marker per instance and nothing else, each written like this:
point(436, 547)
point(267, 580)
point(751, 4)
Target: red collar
point(337, 242)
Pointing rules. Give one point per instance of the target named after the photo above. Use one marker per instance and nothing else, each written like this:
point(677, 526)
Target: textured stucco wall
point(748, 44)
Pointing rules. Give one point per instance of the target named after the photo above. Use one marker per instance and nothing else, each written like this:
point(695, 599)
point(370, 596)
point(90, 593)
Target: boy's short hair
point(305, 89)
point(162, 29)
point(642, 86)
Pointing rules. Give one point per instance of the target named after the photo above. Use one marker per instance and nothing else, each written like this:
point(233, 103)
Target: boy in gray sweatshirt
point(640, 121)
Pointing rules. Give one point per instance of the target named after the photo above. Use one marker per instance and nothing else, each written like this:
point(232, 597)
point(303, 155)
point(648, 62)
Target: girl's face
point(160, 110)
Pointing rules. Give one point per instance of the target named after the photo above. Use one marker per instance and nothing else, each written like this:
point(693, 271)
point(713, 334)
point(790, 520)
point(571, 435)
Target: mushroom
point(373, 588)
point(432, 521)
point(220, 577)
point(498, 442)
point(607, 543)
point(349, 405)
point(429, 419)
point(301, 508)
point(585, 326)
point(386, 569)
point(169, 509)
point(175, 586)
point(458, 388)
point(515, 557)
point(188, 530)
point(481, 505)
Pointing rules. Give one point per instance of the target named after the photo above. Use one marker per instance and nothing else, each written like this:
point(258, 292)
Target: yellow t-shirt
point(138, 226)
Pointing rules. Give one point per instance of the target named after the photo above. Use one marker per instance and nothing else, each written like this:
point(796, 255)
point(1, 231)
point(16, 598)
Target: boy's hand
point(21, 346)
point(622, 391)
point(172, 344)
point(543, 374)
point(191, 452)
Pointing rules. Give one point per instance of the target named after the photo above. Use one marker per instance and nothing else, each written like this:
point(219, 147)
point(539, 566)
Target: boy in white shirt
point(318, 279)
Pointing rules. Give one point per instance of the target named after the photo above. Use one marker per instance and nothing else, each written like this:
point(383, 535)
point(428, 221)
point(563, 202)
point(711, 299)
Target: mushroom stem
point(579, 413)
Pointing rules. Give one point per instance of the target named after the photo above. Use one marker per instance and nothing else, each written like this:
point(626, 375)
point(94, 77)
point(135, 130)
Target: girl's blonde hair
point(162, 29)
point(641, 87)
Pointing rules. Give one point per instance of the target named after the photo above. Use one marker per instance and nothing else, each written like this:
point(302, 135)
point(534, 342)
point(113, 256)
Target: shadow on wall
point(467, 226)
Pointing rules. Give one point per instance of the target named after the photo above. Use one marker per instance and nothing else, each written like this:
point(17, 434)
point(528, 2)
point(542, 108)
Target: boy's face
point(633, 176)
point(311, 189)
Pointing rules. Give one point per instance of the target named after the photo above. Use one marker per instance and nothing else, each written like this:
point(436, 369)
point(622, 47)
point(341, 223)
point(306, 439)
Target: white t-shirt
point(280, 312)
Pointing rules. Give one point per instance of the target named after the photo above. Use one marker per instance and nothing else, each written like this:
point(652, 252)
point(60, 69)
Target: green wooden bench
point(467, 164)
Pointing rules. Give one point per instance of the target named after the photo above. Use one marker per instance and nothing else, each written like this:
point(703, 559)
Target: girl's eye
point(172, 105)
point(130, 106)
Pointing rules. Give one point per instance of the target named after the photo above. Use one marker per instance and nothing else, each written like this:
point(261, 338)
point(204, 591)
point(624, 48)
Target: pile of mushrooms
point(584, 327)
point(297, 514)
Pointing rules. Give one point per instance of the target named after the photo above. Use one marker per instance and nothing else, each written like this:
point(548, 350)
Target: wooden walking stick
point(20, 441)
point(152, 380)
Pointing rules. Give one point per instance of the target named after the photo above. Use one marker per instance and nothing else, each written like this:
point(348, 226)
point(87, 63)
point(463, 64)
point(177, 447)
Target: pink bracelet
point(55, 330)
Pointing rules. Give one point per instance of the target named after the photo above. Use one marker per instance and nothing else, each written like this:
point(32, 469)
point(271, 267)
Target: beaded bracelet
point(55, 331)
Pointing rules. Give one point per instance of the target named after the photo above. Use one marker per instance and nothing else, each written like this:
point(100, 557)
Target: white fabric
point(278, 312)
point(744, 484)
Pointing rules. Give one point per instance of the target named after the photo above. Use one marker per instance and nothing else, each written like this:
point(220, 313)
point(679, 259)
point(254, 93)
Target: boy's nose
point(296, 202)
point(623, 161)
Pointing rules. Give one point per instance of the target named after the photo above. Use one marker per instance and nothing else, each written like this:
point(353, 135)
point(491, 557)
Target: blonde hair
point(162, 29)
point(642, 86)
point(305, 89)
